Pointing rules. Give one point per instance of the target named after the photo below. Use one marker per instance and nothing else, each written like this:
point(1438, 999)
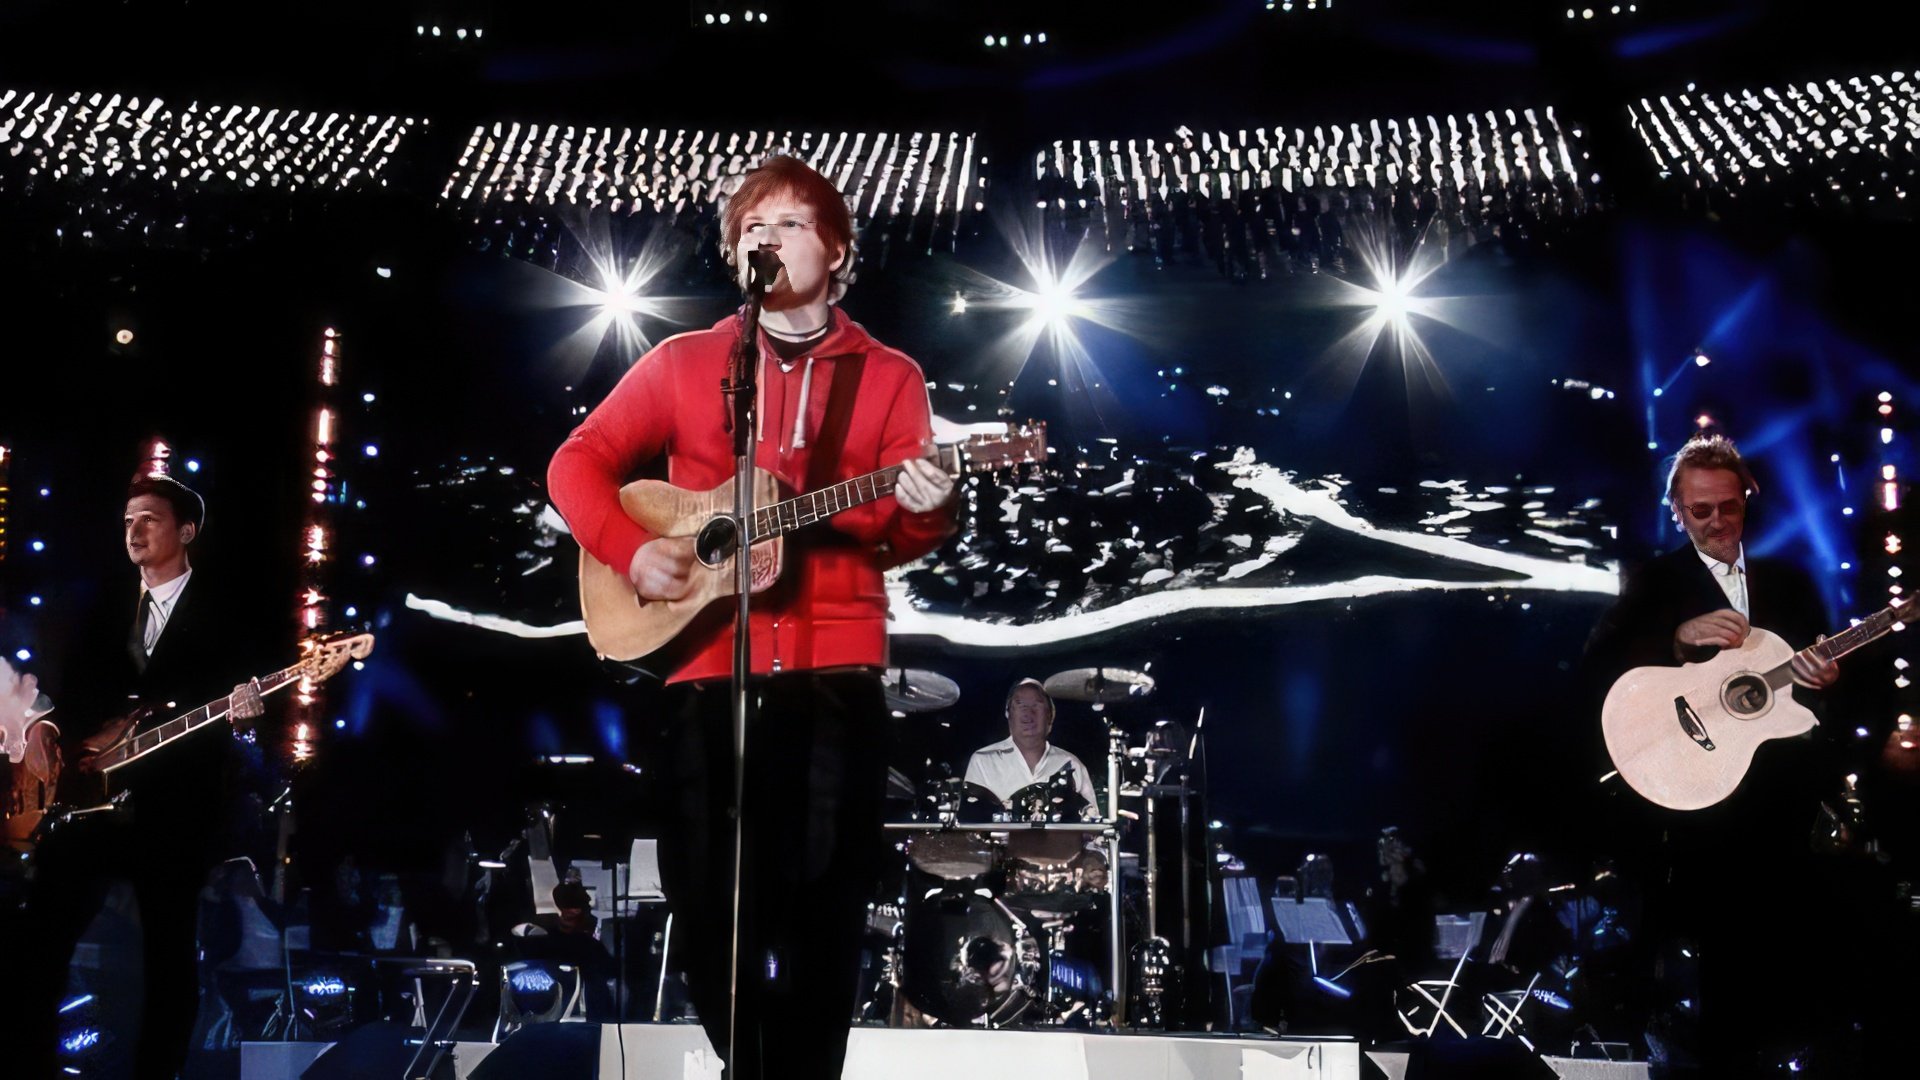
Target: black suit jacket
point(182, 793)
point(1773, 811)
point(1667, 591)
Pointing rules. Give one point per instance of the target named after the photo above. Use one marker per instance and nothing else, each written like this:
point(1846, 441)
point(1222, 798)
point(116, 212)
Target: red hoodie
point(829, 608)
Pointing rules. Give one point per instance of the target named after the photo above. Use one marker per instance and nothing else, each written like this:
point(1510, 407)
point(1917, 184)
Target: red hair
point(784, 175)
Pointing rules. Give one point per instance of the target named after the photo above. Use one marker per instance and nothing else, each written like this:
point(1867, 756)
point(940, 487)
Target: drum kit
point(1010, 911)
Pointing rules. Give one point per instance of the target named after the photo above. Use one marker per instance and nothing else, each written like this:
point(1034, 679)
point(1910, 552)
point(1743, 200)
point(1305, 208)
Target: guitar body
point(622, 626)
point(36, 783)
point(1736, 710)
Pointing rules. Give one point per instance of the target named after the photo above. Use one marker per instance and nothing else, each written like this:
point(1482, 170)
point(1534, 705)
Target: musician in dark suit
point(1737, 876)
point(171, 645)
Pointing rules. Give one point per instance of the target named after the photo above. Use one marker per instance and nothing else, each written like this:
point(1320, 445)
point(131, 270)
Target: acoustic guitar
point(622, 626)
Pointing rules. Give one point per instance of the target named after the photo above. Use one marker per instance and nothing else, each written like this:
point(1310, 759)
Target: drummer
point(1025, 757)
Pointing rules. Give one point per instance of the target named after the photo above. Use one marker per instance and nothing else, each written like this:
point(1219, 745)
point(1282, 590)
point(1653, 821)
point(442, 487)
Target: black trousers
point(74, 869)
point(815, 779)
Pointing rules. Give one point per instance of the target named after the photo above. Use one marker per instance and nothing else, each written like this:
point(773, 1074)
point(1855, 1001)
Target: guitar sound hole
point(1747, 695)
point(716, 541)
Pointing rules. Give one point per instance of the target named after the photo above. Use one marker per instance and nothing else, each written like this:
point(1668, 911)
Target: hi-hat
point(911, 690)
point(1099, 685)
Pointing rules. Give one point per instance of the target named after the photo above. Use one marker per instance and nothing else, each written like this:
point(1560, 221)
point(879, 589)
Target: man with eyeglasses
point(833, 404)
point(1738, 882)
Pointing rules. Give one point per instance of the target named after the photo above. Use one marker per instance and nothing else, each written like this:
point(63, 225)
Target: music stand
point(1311, 921)
point(636, 882)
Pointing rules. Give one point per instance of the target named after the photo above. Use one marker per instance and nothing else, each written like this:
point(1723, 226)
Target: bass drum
point(970, 959)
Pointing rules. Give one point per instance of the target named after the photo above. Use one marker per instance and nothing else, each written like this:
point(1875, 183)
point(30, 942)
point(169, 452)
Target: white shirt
point(165, 597)
point(1002, 769)
point(1732, 579)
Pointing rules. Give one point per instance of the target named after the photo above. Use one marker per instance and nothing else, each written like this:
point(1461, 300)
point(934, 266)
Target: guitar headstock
point(1024, 444)
point(323, 657)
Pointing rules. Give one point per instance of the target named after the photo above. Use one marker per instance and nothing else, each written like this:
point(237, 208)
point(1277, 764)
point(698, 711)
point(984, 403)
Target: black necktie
point(138, 646)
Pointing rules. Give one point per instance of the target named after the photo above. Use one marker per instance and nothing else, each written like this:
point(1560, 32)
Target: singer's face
point(786, 225)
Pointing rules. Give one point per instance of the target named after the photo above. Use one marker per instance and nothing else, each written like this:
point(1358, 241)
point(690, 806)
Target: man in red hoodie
point(816, 766)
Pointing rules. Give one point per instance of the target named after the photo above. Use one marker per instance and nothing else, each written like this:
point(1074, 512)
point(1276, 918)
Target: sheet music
point(1455, 935)
point(1246, 923)
point(600, 886)
point(643, 871)
point(544, 878)
point(1313, 920)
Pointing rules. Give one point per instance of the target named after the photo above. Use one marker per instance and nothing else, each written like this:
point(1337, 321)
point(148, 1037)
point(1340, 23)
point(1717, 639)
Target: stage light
point(38, 545)
point(959, 304)
point(193, 465)
point(124, 337)
point(34, 601)
point(76, 1003)
point(23, 655)
point(1886, 436)
point(1893, 544)
point(383, 271)
point(367, 397)
point(371, 450)
point(1701, 359)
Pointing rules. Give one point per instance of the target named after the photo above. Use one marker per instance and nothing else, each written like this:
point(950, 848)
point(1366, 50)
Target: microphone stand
point(739, 390)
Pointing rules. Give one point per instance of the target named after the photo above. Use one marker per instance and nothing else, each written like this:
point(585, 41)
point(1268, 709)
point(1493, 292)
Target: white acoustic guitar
point(1684, 737)
point(621, 626)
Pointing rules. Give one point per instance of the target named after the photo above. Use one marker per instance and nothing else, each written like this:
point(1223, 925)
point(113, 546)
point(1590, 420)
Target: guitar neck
point(802, 510)
point(1867, 630)
point(146, 742)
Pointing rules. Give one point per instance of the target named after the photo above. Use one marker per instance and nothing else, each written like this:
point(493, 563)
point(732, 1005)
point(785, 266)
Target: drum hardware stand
point(1116, 946)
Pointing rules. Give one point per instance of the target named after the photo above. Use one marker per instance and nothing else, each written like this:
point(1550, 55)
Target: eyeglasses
point(783, 227)
point(1732, 508)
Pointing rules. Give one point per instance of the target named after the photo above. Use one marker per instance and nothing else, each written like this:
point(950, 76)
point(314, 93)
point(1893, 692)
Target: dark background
point(1451, 713)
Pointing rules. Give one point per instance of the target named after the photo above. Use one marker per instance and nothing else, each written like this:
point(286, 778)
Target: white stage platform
point(681, 1052)
point(1395, 1066)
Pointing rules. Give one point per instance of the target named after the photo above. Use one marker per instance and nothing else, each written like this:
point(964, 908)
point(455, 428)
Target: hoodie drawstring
point(800, 415)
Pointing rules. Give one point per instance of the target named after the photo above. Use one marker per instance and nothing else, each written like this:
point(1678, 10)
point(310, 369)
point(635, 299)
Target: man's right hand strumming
point(1723, 629)
point(663, 568)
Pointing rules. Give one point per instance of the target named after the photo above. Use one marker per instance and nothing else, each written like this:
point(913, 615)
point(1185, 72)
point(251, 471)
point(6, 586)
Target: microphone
point(763, 264)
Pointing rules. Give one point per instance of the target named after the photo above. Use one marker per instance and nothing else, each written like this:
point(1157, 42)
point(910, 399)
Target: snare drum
point(955, 855)
point(1054, 872)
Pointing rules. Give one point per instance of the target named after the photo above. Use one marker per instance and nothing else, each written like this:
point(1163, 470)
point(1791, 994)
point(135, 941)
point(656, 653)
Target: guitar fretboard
point(1860, 633)
point(784, 517)
point(146, 742)
point(1853, 637)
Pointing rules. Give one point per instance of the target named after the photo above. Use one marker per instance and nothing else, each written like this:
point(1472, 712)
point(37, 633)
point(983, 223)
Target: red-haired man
point(816, 769)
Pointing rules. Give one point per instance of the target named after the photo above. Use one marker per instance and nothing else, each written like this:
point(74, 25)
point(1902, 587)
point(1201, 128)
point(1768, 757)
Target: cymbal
point(911, 690)
point(1099, 685)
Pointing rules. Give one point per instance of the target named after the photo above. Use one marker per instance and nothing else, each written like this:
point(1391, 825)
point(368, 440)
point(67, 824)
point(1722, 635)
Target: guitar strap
point(836, 420)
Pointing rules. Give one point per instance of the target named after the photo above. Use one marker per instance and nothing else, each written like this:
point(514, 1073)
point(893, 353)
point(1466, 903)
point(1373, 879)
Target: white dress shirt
point(165, 598)
point(1732, 579)
point(1002, 769)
